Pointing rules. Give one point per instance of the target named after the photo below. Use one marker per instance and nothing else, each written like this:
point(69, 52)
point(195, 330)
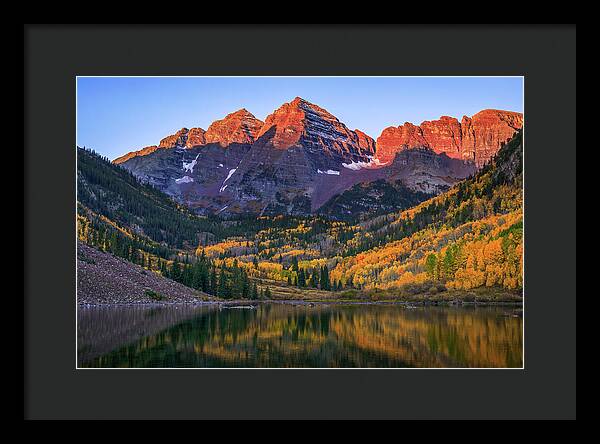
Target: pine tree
point(213, 281)
point(325, 284)
point(222, 290)
point(175, 272)
point(204, 282)
point(185, 274)
point(301, 278)
point(236, 280)
point(314, 279)
point(113, 241)
point(245, 285)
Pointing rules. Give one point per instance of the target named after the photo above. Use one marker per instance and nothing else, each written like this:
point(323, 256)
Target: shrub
point(155, 296)
point(469, 297)
point(349, 294)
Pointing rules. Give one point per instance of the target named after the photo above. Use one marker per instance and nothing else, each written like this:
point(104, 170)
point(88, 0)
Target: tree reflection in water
point(277, 335)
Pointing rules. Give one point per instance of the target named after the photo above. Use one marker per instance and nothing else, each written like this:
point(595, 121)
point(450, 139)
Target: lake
point(285, 335)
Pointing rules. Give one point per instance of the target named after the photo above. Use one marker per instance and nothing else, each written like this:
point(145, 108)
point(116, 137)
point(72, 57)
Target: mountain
point(475, 138)
point(301, 123)
point(302, 156)
point(191, 165)
point(297, 162)
point(238, 127)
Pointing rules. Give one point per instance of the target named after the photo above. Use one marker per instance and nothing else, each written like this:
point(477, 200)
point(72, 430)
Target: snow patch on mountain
point(336, 173)
point(372, 163)
point(190, 166)
point(184, 179)
point(231, 171)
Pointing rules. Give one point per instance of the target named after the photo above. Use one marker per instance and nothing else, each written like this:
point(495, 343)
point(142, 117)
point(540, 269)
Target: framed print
point(290, 240)
point(295, 228)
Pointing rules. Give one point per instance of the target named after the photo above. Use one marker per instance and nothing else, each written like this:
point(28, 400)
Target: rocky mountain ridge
point(474, 139)
point(302, 155)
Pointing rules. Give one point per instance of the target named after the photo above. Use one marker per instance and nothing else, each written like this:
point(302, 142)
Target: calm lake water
point(279, 335)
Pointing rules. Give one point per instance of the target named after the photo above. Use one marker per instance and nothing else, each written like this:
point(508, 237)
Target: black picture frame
point(55, 55)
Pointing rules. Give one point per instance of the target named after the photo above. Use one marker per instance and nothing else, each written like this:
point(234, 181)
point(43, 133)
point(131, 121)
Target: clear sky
point(116, 115)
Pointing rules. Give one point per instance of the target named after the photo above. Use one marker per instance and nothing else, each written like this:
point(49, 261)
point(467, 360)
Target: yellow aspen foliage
point(487, 252)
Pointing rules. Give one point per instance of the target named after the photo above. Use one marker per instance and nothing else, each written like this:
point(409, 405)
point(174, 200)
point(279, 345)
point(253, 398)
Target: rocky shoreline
point(250, 303)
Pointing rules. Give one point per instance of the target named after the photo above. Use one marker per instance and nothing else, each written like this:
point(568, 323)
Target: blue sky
point(116, 115)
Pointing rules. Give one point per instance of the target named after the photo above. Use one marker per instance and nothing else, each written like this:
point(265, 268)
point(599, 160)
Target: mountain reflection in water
point(278, 335)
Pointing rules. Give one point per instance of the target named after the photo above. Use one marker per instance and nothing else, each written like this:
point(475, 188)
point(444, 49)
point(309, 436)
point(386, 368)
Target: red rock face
point(301, 121)
point(238, 127)
point(285, 126)
point(365, 142)
point(444, 135)
point(476, 139)
point(195, 137)
point(142, 152)
point(184, 138)
point(394, 139)
point(486, 131)
point(175, 140)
